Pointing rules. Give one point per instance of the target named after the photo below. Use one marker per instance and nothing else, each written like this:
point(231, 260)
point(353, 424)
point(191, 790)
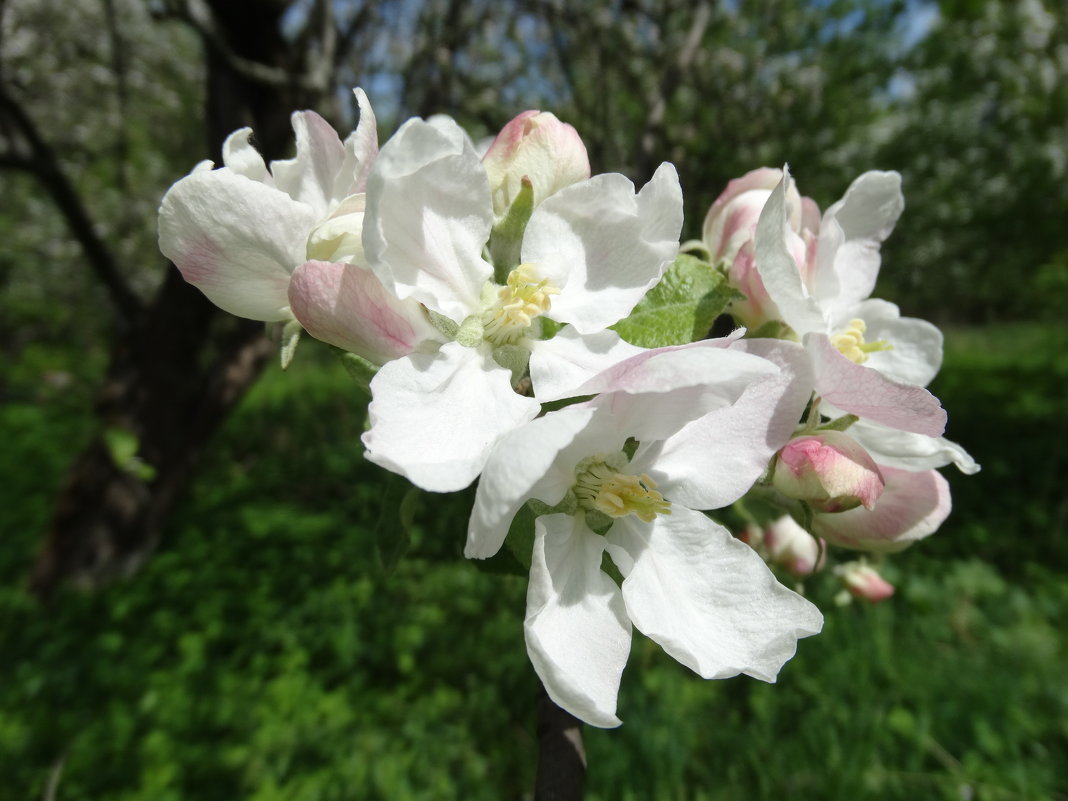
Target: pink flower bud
point(537, 146)
point(789, 545)
point(829, 470)
point(862, 581)
point(729, 234)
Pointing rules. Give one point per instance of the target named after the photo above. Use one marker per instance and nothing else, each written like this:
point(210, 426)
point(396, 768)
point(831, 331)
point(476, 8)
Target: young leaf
point(681, 308)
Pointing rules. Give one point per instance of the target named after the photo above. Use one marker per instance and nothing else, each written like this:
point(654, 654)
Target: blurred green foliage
point(268, 653)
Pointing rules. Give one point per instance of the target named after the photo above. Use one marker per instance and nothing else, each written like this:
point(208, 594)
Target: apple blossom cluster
point(531, 326)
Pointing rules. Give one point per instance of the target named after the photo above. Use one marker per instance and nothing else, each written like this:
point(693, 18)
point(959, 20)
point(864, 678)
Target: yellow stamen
point(850, 342)
point(519, 302)
point(619, 494)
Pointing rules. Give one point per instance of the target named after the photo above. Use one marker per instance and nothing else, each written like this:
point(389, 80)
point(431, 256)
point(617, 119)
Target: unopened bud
point(535, 145)
point(789, 545)
point(829, 470)
point(863, 581)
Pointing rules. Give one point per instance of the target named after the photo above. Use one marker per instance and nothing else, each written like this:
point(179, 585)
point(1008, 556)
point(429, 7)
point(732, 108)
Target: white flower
point(271, 244)
point(868, 360)
point(589, 253)
point(634, 463)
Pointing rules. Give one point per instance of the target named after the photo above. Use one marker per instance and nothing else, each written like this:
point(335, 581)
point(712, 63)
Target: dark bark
point(179, 365)
point(561, 756)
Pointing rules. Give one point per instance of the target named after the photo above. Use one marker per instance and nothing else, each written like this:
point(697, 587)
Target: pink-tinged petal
point(869, 394)
point(535, 461)
point(758, 307)
point(716, 459)
point(428, 217)
point(347, 306)
point(236, 240)
point(654, 394)
point(310, 176)
point(603, 246)
point(912, 506)
point(751, 191)
point(849, 264)
point(435, 417)
point(361, 150)
point(708, 599)
point(915, 353)
point(739, 225)
point(537, 146)
point(810, 215)
point(560, 365)
point(829, 470)
point(241, 157)
point(916, 452)
point(577, 631)
point(776, 244)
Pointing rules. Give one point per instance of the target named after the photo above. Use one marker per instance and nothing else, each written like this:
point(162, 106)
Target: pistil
point(518, 303)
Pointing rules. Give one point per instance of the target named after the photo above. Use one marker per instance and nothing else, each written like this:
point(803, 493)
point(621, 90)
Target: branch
point(42, 163)
point(561, 756)
point(199, 15)
point(670, 79)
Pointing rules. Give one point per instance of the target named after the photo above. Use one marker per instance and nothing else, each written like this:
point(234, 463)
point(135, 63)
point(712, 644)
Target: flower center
point(600, 487)
point(850, 342)
point(523, 298)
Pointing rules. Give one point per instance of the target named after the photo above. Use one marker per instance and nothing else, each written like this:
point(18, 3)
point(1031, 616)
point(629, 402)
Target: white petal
point(869, 394)
point(866, 215)
point(241, 157)
point(777, 267)
point(236, 240)
point(603, 246)
point(436, 416)
point(428, 215)
point(655, 393)
point(717, 458)
point(347, 306)
point(916, 352)
point(912, 506)
point(310, 176)
point(889, 446)
point(361, 149)
point(528, 462)
point(708, 599)
point(577, 632)
point(561, 364)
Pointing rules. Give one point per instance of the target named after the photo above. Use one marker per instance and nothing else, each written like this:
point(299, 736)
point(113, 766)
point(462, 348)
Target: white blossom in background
point(588, 254)
point(625, 464)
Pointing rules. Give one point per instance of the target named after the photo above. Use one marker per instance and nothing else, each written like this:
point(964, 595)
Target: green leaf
point(681, 308)
point(359, 369)
point(123, 446)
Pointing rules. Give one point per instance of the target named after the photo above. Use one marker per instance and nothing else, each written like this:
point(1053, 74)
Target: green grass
point(265, 653)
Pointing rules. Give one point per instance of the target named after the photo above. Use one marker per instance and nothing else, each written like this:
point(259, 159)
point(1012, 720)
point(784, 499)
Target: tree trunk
point(178, 367)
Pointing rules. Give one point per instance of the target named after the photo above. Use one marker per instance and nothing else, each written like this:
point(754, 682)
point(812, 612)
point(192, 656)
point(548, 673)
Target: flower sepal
point(506, 236)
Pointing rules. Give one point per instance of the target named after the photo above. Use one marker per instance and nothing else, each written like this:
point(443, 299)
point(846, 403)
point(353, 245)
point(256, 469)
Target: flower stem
point(561, 756)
